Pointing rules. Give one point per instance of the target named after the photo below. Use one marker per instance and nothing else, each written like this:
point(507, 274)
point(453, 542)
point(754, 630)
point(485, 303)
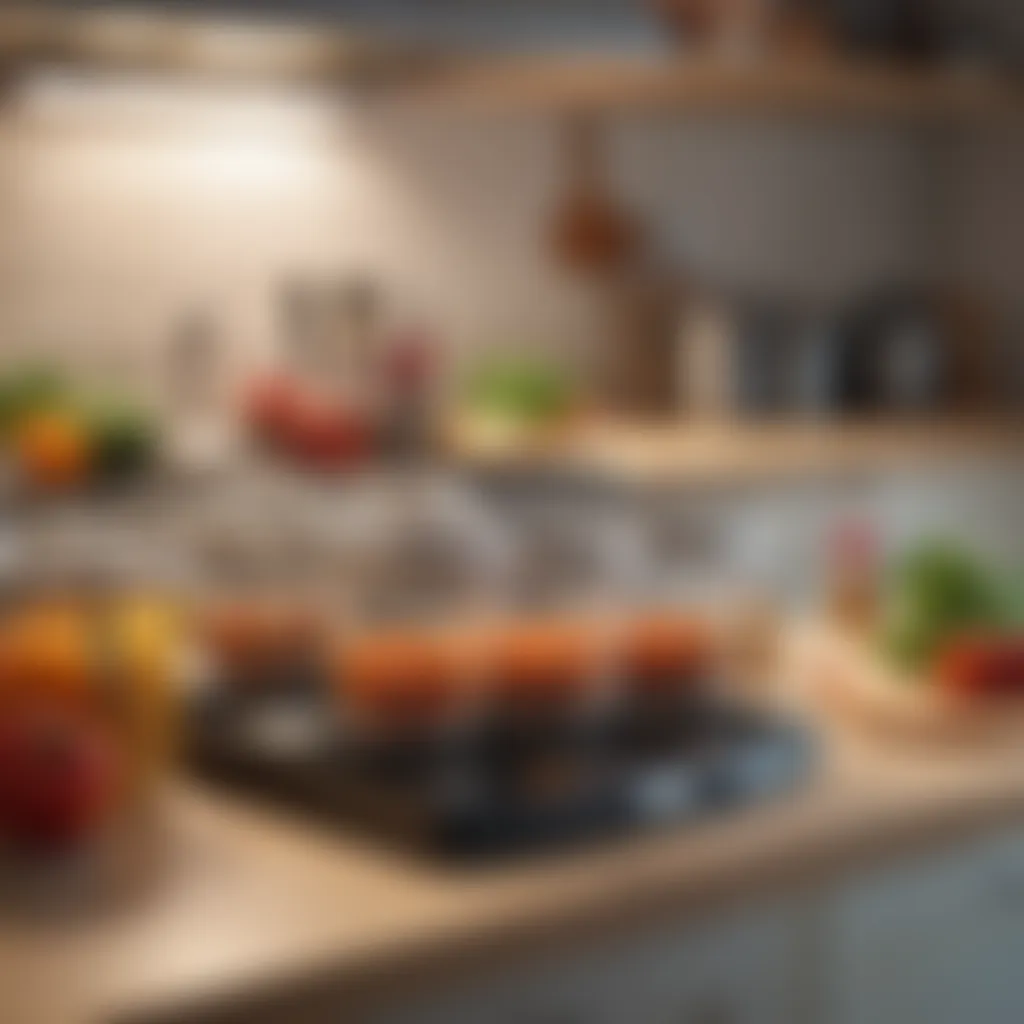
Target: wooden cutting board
point(848, 677)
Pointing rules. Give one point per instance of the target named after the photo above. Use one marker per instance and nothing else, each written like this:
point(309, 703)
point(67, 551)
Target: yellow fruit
point(116, 663)
point(145, 640)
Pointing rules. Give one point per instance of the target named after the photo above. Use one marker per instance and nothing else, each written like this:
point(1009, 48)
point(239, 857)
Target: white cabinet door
point(940, 942)
point(739, 971)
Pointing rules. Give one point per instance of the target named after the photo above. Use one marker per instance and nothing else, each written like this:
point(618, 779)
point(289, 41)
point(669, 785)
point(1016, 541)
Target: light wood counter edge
point(724, 454)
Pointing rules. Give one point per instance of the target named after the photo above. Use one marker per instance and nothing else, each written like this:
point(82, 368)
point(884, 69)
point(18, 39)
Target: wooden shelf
point(90, 39)
point(178, 43)
point(746, 454)
point(695, 86)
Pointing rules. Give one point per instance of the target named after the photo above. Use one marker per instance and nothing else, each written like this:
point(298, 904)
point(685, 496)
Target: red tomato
point(328, 436)
point(961, 668)
point(314, 429)
point(271, 402)
point(982, 666)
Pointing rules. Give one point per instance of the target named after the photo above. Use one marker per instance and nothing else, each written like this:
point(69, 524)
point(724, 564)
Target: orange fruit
point(47, 655)
point(53, 451)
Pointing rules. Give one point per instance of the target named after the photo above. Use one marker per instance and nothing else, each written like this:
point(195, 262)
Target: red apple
point(58, 778)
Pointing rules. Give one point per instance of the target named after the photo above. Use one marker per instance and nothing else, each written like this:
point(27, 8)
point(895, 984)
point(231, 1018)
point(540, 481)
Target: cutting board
point(847, 676)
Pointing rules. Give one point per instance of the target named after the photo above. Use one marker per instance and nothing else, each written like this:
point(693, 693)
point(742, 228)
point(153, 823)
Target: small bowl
point(545, 668)
point(664, 653)
point(407, 682)
point(258, 642)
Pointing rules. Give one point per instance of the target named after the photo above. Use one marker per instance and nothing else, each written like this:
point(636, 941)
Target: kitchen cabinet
point(937, 940)
point(745, 970)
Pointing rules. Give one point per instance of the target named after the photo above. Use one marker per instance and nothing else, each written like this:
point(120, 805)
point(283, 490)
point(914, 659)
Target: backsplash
point(124, 207)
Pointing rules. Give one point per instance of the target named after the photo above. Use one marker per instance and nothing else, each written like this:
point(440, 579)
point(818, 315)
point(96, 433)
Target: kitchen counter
point(251, 904)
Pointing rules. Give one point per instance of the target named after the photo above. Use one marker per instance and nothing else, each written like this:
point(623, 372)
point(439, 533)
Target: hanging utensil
point(591, 233)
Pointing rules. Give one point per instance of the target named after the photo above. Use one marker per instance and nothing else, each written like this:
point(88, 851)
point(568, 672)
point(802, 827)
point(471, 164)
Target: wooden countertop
point(252, 903)
point(741, 453)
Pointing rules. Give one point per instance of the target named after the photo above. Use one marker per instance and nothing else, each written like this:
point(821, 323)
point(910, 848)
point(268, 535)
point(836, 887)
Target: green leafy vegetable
point(522, 388)
point(941, 589)
point(124, 436)
point(28, 389)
